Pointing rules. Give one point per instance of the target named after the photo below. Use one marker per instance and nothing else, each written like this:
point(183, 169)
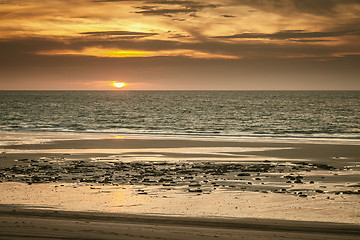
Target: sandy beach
point(132, 188)
point(19, 223)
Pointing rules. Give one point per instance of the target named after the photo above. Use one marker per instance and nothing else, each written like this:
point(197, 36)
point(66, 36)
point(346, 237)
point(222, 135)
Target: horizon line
point(129, 90)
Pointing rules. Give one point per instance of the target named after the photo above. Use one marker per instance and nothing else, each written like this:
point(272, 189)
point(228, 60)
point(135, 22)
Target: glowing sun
point(119, 84)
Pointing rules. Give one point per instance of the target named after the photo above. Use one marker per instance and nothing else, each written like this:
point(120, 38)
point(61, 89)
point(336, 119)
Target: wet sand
point(288, 184)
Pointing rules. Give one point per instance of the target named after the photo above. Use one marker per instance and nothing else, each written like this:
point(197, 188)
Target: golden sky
point(180, 44)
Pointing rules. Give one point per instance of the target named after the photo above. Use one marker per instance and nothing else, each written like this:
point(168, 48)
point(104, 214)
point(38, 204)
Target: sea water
point(254, 114)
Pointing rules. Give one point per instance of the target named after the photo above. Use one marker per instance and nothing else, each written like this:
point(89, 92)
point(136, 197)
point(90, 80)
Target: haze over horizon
point(180, 44)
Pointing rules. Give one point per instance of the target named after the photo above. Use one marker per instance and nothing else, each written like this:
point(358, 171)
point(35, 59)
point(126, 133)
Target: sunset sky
point(175, 45)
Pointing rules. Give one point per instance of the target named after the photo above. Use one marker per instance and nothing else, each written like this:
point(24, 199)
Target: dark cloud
point(178, 35)
point(169, 2)
point(186, 7)
point(122, 34)
point(179, 19)
point(175, 2)
point(311, 40)
point(188, 4)
point(126, 37)
point(117, 1)
point(290, 34)
point(167, 12)
point(227, 16)
point(316, 7)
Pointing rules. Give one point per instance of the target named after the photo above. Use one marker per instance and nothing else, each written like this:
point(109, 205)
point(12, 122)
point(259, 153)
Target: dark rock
point(290, 177)
point(195, 190)
point(194, 185)
point(324, 166)
point(23, 160)
point(347, 192)
point(243, 174)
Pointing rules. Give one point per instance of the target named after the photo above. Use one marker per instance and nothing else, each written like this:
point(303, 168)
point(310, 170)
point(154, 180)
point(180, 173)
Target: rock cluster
point(196, 177)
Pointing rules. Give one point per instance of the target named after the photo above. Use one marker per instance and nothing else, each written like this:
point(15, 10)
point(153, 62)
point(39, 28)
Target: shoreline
point(73, 135)
point(337, 153)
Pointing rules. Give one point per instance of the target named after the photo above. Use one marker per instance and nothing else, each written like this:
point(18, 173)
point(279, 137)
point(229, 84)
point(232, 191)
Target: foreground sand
point(18, 223)
point(178, 201)
point(127, 188)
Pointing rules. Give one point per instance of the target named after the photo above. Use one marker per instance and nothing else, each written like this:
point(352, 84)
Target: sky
point(180, 44)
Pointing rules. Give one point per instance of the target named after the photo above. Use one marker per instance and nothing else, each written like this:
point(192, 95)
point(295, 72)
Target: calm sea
point(280, 114)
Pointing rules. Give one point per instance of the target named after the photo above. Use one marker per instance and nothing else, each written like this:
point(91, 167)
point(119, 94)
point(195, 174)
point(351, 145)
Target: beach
point(301, 187)
point(18, 223)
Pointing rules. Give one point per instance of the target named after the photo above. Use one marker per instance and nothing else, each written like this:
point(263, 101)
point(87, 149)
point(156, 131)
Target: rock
point(351, 192)
point(23, 160)
point(243, 174)
point(194, 185)
point(324, 166)
point(195, 190)
point(290, 177)
point(278, 191)
point(165, 179)
point(347, 192)
point(354, 185)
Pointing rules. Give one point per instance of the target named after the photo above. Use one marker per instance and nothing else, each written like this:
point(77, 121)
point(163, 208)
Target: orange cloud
point(119, 53)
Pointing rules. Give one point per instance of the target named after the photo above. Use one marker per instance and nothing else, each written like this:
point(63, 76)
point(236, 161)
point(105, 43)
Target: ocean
point(253, 114)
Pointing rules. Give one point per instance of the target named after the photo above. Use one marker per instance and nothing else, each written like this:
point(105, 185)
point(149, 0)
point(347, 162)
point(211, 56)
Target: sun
point(119, 84)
